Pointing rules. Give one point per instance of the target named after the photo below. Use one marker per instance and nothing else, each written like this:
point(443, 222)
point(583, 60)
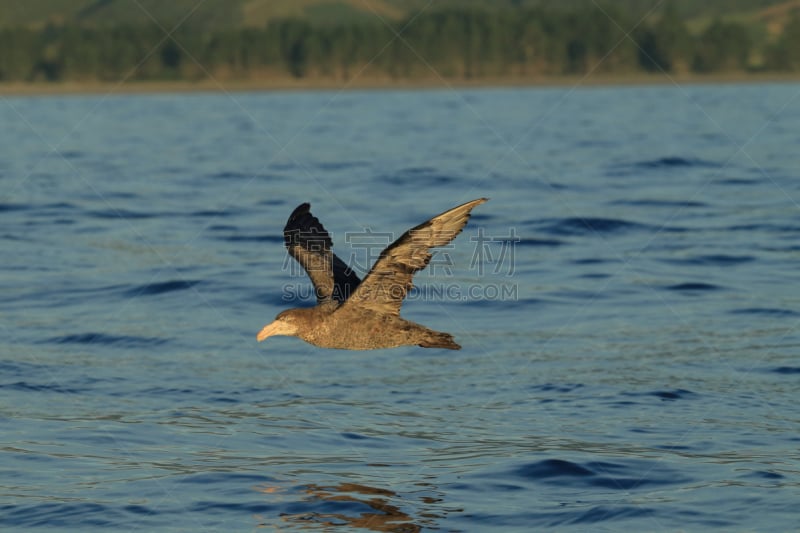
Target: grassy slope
point(258, 12)
point(777, 15)
point(209, 13)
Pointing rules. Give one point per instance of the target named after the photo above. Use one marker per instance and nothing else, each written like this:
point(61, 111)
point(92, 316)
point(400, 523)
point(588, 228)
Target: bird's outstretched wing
point(309, 243)
point(389, 280)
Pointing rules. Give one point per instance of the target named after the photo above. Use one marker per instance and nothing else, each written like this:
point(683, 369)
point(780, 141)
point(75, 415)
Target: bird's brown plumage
point(387, 284)
point(361, 315)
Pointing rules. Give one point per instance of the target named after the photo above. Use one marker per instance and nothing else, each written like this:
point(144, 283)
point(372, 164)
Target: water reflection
point(358, 506)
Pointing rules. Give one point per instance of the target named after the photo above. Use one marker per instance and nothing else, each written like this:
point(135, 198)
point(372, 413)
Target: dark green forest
point(460, 43)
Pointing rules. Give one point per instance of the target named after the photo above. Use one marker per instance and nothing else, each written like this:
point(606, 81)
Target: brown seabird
point(363, 315)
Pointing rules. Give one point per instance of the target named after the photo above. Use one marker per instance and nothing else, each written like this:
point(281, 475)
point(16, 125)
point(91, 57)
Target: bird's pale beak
point(279, 327)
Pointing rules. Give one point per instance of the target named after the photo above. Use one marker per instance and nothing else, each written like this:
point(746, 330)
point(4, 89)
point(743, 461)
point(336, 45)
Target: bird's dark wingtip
point(305, 207)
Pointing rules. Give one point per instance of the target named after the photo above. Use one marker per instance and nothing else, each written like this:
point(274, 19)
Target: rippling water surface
point(627, 302)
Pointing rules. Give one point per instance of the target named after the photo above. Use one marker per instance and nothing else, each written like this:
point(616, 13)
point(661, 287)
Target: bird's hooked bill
point(278, 327)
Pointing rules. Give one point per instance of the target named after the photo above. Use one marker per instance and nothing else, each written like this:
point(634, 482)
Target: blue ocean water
point(627, 302)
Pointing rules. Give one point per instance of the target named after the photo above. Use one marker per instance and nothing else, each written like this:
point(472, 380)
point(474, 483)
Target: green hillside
point(256, 13)
point(191, 40)
point(207, 14)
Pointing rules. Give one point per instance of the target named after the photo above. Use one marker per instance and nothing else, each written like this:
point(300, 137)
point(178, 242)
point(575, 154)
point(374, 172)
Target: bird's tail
point(436, 339)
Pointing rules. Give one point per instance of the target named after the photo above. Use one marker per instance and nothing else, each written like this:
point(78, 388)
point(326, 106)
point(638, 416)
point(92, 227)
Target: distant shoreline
point(327, 84)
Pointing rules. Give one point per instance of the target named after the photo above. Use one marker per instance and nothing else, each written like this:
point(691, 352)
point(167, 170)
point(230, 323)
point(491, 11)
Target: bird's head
point(286, 323)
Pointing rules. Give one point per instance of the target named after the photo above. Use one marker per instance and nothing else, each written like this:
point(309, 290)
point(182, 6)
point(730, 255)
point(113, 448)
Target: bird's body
point(363, 315)
point(324, 327)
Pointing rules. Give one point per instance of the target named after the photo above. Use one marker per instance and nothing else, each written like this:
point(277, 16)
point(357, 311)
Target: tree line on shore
point(455, 43)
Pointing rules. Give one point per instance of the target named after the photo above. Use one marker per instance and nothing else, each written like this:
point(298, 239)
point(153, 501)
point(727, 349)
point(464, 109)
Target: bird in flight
point(354, 314)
